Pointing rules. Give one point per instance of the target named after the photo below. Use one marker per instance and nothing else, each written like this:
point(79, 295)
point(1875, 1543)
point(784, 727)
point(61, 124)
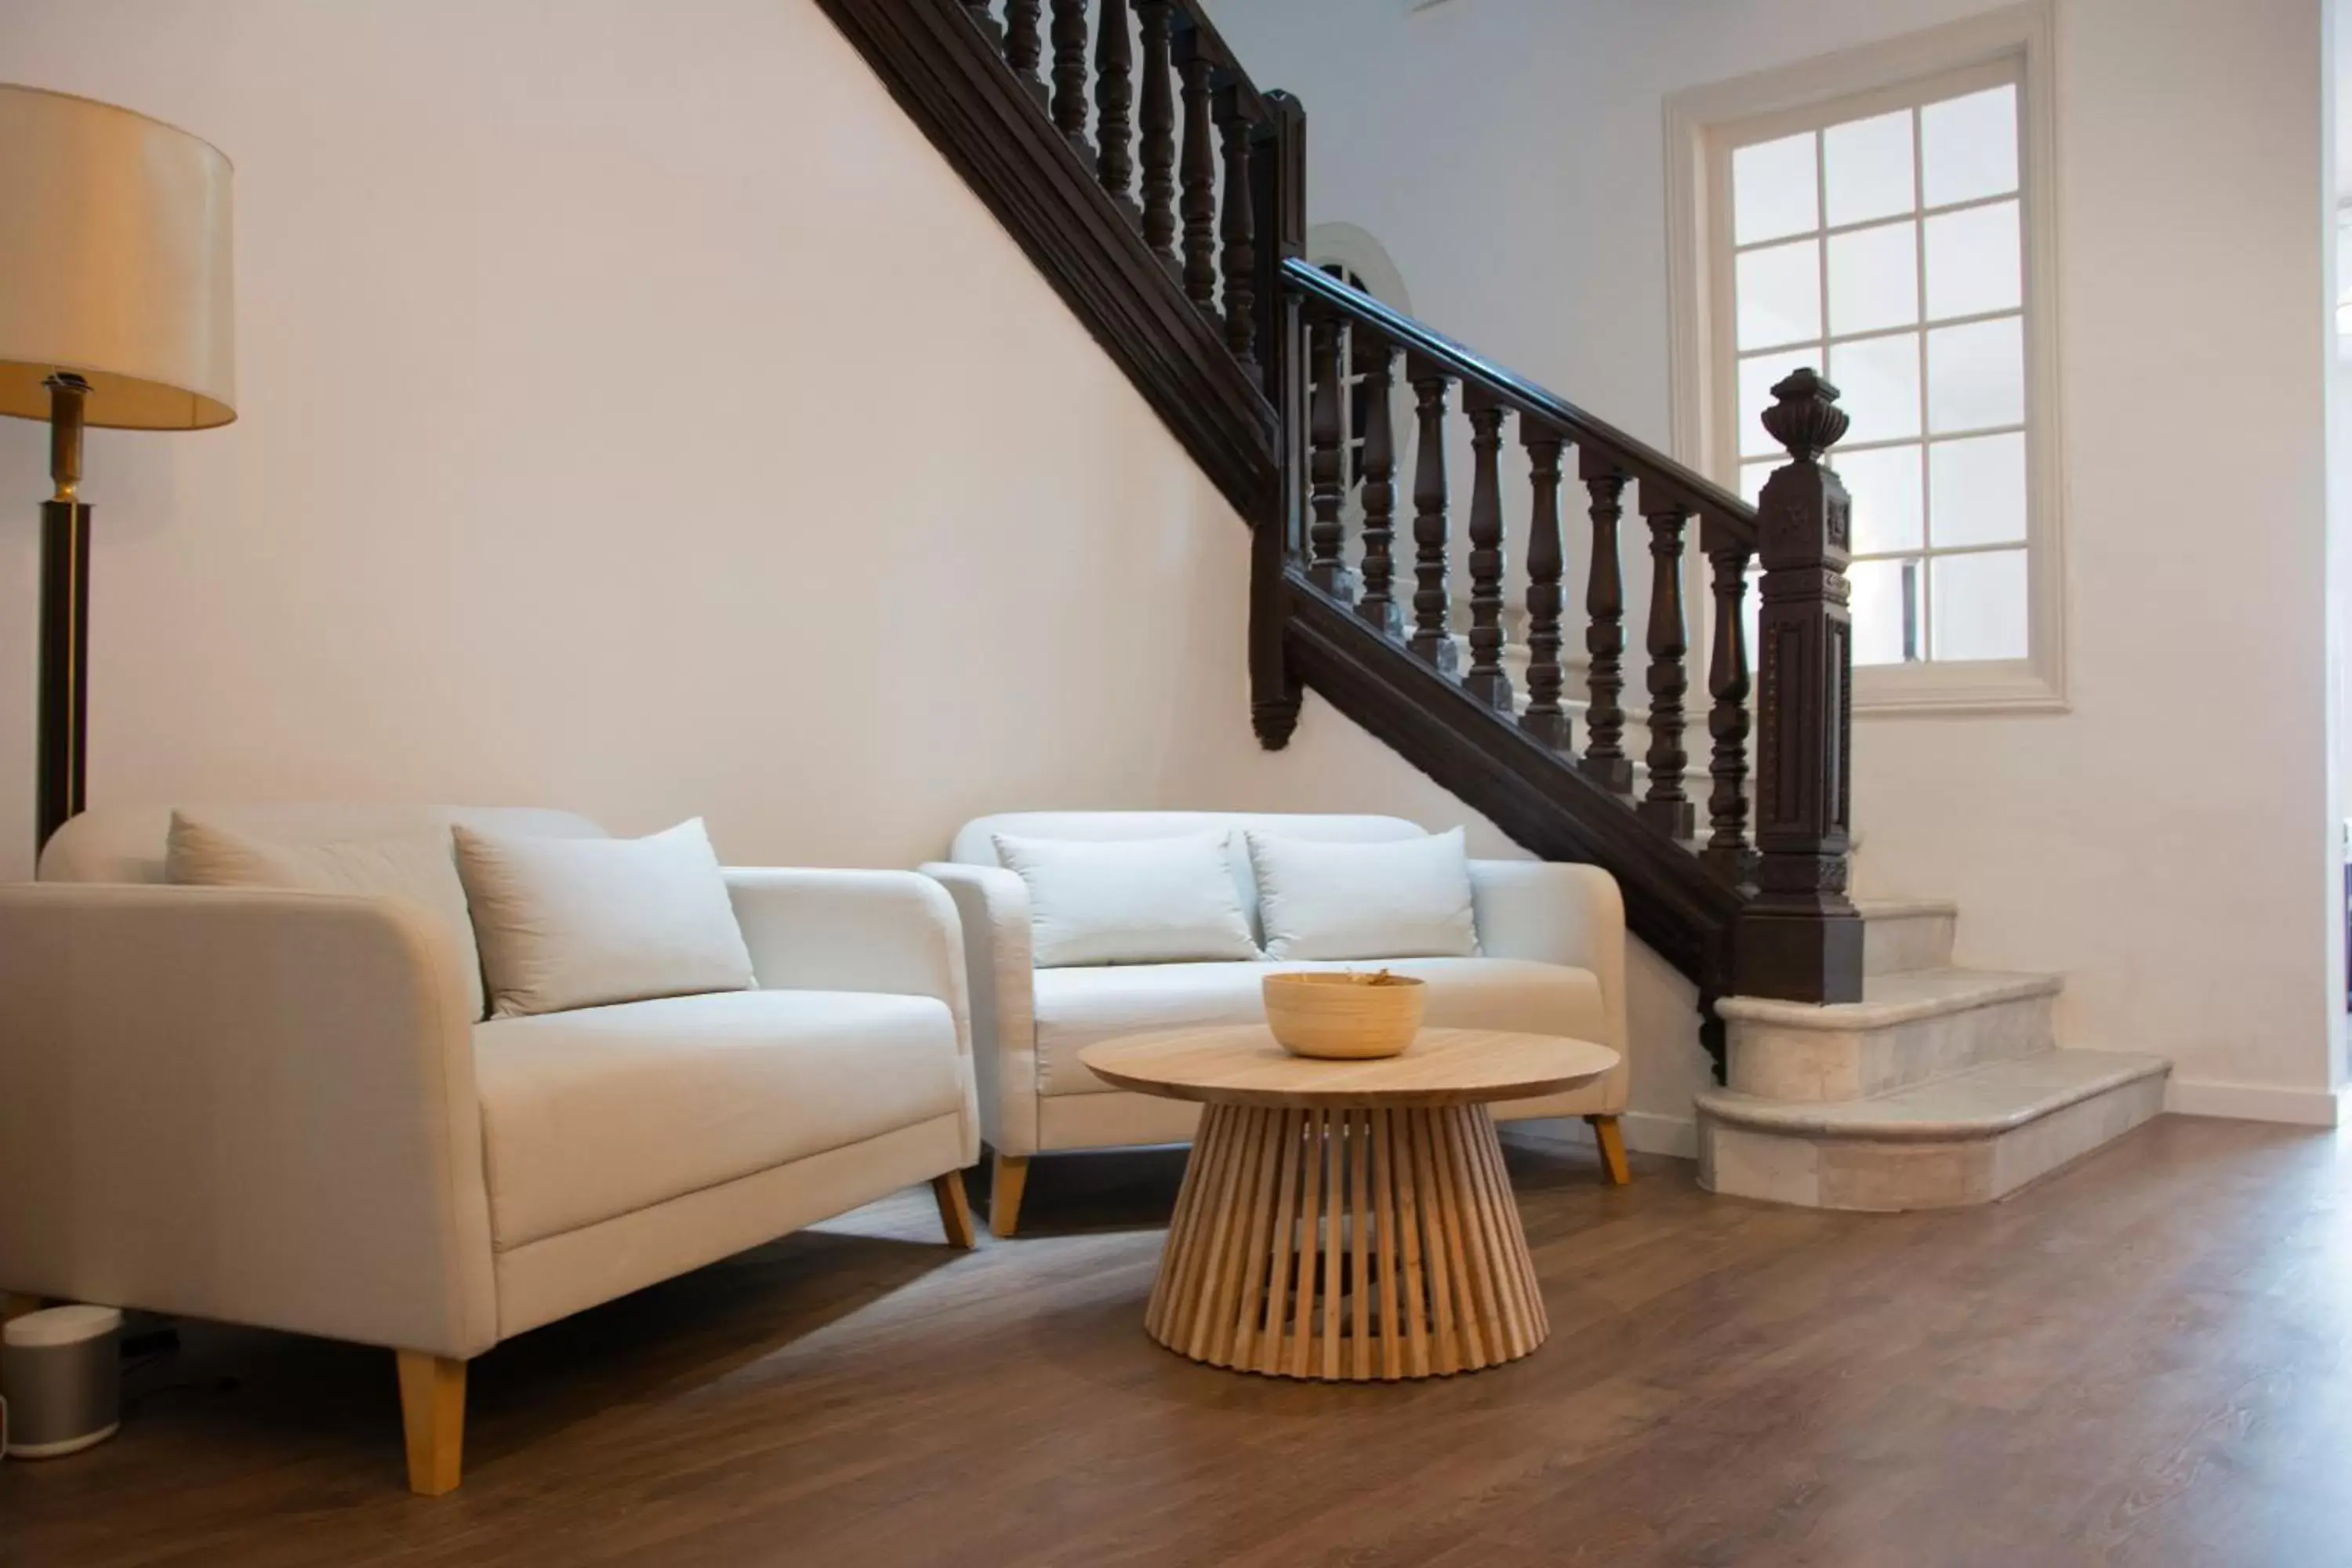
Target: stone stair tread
point(1900, 997)
point(1981, 1102)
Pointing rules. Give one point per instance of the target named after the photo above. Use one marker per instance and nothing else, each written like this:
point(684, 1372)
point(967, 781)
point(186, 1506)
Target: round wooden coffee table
point(1347, 1220)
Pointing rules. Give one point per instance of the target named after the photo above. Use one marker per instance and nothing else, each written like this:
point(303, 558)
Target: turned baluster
point(1487, 681)
point(1727, 719)
point(1324, 442)
point(1432, 638)
point(1114, 97)
point(1198, 180)
point(1070, 71)
point(1158, 120)
point(1023, 48)
point(1665, 806)
point(977, 11)
point(1238, 229)
point(1278, 530)
point(1376, 362)
point(1544, 719)
point(1605, 762)
point(1800, 938)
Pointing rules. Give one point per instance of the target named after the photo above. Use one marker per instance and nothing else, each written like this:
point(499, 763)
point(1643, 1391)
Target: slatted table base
point(1348, 1245)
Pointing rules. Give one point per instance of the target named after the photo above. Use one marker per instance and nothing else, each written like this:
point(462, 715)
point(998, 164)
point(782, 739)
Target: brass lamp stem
point(63, 707)
point(66, 393)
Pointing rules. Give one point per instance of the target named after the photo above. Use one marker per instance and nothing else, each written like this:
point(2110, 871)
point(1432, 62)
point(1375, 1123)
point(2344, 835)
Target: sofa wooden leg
point(1004, 1184)
point(433, 1418)
point(955, 1209)
point(1606, 1133)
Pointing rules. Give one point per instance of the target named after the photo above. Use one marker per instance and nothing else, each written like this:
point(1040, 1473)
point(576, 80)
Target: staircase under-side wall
point(1162, 192)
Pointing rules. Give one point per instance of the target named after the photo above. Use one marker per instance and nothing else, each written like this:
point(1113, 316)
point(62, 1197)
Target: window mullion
point(1923, 324)
point(1926, 490)
point(1832, 231)
point(1821, 240)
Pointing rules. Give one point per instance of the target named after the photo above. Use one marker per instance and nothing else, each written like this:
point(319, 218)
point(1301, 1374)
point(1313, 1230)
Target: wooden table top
point(1243, 1065)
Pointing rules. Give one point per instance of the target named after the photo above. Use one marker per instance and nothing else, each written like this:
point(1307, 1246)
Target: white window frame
point(1355, 249)
point(1703, 124)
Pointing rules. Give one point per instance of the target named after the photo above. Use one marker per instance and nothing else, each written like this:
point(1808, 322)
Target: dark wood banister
point(1212, 46)
point(1639, 461)
point(1795, 935)
point(949, 76)
point(1227, 333)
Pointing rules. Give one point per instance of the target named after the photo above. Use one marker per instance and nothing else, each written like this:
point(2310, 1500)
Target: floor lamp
point(116, 310)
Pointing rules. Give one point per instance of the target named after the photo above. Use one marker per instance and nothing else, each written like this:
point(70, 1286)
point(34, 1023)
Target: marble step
point(1909, 1027)
point(1900, 936)
point(1968, 1138)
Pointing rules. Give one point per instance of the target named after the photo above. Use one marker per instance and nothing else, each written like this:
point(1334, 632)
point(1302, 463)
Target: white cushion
point(1154, 900)
point(975, 841)
point(1077, 1007)
point(124, 842)
point(579, 922)
point(605, 1110)
point(420, 866)
point(1407, 899)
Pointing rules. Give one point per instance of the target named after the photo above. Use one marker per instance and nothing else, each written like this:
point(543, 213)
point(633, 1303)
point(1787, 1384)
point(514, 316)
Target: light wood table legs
point(432, 1419)
point(1612, 1138)
point(1009, 1175)
point(1347, 1243)
point(955, 1209)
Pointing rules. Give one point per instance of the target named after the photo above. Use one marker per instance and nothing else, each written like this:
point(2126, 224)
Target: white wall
point(638, 417)
point(635, 414)
point(2167, 844)
point(2339, 104)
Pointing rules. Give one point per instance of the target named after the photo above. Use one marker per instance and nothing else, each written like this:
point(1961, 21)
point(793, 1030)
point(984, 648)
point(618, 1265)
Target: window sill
point(1955, 690)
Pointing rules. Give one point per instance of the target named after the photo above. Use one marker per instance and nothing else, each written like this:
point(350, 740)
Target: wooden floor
point(2145, 1360)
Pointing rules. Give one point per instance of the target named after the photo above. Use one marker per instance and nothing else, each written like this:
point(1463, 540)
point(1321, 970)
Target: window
point(1892, 235)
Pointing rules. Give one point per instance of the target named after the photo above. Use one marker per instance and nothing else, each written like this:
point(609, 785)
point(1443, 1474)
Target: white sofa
point(273, 1108)
point(1552, 945)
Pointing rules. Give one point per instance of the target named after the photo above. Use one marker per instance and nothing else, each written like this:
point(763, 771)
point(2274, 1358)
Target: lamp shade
point(114, 263)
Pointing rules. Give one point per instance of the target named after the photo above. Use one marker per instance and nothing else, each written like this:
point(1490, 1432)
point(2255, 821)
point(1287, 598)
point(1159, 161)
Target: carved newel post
point(1800, 940)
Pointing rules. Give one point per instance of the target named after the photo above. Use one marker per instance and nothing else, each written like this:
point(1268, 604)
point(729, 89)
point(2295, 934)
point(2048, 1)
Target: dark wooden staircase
point(1130, 154)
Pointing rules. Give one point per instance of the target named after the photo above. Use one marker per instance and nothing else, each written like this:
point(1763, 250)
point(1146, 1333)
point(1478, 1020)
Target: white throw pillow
point(421, 868)
point(1402, 898)
point(1149, 901)
point(581, 923)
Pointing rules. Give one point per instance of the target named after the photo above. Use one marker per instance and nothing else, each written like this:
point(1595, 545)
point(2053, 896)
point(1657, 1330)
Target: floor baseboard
point(1646, 1132)
point(2257, 1102)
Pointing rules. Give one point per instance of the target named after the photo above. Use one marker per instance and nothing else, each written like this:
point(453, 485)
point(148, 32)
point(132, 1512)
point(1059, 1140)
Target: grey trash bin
point(61, 1376)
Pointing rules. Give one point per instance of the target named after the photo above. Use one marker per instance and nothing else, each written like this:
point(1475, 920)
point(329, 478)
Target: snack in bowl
point(1345, 1017)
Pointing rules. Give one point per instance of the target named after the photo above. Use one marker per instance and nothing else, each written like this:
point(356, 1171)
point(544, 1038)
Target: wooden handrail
point(1797, 936)
point(1667, 478)
point(1164, 195)
point(1195, 33)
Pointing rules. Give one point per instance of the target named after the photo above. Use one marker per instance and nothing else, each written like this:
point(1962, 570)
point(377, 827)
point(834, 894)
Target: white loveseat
point(273, 1108)
point(1553, 961)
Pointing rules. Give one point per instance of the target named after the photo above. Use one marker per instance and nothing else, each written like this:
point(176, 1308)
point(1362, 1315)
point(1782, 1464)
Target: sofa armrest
point(1553, 913)
point(888, 932)
point(892, 931)
point(246, 1105)
point(994, 907)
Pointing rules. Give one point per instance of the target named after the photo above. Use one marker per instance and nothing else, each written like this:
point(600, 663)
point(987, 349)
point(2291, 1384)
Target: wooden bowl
point(1348, 1017)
